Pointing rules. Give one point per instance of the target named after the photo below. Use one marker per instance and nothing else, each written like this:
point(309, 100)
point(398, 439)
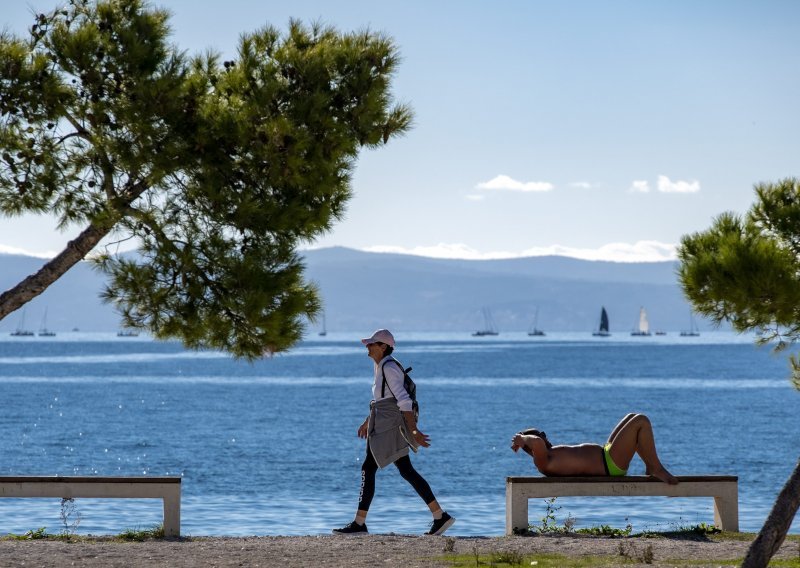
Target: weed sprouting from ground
point(70, 516)
point(629, 550)
point(548, 522)
point(449, 544)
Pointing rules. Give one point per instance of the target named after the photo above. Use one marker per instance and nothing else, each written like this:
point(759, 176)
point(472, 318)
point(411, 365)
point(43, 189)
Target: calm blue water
point(271, 448)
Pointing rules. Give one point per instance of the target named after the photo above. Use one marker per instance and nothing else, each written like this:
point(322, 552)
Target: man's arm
point(535, 447)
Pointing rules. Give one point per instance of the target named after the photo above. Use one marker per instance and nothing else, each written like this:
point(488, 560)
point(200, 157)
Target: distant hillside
point(365, 290)
point(362, 291)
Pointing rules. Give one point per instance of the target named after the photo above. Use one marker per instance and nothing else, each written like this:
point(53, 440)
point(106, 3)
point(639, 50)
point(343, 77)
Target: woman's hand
point(362, 430)
point(422, 439)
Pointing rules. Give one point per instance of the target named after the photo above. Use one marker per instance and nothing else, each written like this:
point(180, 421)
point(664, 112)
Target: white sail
point(644, 325)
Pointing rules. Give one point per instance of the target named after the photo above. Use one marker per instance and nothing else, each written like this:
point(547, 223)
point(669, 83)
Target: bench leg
point(516, 511)
point(726, 510)
point(172, 513)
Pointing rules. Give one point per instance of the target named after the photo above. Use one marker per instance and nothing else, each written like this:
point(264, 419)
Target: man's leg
point(618, 427)
point(636, 436)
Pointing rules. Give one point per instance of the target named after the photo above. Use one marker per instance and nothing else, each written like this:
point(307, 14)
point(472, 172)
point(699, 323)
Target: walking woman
point(390, 430)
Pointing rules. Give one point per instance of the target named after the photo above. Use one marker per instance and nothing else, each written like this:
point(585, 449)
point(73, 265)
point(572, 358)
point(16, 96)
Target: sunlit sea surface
point(270, 448)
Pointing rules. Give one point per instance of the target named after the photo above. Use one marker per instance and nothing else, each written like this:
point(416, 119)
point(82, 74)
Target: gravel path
point(366, 551)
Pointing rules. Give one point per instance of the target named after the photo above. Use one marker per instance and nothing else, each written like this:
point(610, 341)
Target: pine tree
point(218, 169)
point(746, 270)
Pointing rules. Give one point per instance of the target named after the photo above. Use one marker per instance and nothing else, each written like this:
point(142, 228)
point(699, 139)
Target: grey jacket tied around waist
point(387, 436)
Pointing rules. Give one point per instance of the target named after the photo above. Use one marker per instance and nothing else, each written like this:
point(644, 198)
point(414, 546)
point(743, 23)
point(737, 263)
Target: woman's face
point(375, 351)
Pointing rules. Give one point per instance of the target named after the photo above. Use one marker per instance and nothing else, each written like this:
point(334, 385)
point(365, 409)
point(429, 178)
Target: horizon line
point(638, 252)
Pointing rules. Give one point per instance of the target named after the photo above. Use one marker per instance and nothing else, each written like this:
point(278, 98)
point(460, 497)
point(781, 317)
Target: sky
point(602, 130)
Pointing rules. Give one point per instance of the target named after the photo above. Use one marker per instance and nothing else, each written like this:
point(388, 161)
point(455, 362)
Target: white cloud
point(665, 185)
point(641, 251)
point(13, 250)
point(506, 183)
point(640, 186)
point(583, 184)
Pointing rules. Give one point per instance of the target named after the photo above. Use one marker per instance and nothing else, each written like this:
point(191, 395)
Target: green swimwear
point(612, 469)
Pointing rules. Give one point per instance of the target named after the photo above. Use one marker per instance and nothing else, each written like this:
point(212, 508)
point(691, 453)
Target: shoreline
point(409, 551)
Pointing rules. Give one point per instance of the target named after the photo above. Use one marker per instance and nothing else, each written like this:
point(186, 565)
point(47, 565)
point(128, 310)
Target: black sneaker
point(438, 526)
point(352, 528)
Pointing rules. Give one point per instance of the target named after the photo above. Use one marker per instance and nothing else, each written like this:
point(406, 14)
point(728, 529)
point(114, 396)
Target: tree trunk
point(776, 526)
point(35, 284)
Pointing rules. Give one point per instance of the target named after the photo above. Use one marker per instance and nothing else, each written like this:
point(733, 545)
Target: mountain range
point(363, 291)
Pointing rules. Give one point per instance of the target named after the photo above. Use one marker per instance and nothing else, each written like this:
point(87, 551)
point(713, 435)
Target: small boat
point(693, 329)
point(488, 325)
point(602, 330)
point(660, 332)
point(127, 333)
point(43, 331)
point(535, 331)
point(643, 330)
point(324, 330)
point(21, 331)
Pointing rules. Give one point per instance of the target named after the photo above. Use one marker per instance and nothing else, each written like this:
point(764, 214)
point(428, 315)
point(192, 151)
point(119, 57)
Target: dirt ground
point(369, 551)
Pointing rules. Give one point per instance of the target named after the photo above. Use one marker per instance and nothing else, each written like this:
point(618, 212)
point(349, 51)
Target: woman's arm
point(411, 425)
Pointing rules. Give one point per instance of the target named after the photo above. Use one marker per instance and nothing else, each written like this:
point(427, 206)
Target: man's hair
point(538, 433)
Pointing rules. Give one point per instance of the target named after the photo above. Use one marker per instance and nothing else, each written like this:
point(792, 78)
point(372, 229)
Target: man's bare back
point(583, 459)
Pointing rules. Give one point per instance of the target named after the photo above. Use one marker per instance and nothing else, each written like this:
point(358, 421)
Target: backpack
point(408, 384)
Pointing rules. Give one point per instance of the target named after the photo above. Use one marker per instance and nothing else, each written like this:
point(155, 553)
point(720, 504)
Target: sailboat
point(21, 331)
point(43, 331)
point(535, 331)
point(644, 326)
point(324, 330)
point(602, 331)
point(488, 325)
point(693, 329)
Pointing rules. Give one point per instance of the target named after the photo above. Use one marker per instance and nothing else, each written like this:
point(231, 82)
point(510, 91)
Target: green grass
point(632, 550)
point(507, 560)
point(140, 535)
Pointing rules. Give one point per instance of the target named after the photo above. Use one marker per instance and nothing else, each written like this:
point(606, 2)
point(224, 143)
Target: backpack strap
point(385, 383)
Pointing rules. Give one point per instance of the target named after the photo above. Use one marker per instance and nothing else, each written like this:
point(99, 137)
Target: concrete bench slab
point(723, 488)
point(168, 489)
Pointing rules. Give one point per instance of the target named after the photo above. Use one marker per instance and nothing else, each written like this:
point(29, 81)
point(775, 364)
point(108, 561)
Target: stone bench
point(723, 488)
point(67, 487)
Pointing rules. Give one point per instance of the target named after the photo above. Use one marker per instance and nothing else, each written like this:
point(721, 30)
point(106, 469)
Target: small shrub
point(607, 530)
point(38, 534)
point(703, 528)
point(449, 544)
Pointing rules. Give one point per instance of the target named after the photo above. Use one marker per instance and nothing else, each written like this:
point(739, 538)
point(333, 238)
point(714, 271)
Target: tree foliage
point(219, 169)
point(746, 270)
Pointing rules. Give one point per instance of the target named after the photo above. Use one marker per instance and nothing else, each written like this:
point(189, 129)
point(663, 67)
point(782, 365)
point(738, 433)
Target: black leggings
point(368, 470)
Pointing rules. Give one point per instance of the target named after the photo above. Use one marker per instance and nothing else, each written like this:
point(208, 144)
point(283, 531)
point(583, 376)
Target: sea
point(270, 447)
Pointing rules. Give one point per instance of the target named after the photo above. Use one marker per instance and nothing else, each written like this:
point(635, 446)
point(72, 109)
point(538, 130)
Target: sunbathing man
point(633, 434)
